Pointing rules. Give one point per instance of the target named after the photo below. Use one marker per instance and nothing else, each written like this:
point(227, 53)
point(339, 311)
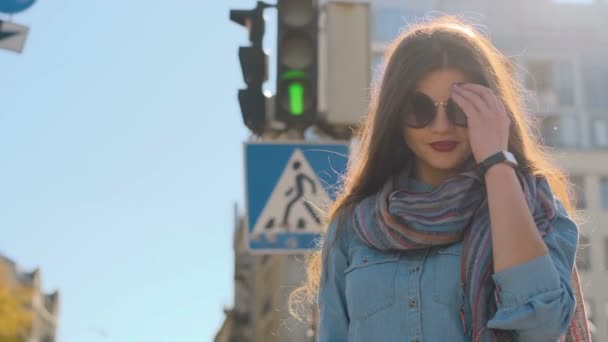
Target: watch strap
point(496, 158)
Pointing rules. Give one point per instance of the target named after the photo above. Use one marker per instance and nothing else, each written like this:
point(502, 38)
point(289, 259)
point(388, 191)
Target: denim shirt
point(371, 295)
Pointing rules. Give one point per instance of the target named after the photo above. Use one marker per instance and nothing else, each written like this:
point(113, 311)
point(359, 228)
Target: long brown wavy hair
point(445, 42)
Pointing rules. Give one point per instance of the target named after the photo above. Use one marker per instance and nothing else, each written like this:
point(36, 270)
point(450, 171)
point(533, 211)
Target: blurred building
point(43, 308)
point(562, 50)
point(262, 284)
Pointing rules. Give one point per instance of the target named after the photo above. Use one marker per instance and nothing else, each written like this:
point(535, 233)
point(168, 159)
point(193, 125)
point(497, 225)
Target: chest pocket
point(446, 273)
point(370, 281)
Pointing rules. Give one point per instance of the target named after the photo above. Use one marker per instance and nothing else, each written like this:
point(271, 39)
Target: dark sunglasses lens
point(422, 111)
point(456, 114)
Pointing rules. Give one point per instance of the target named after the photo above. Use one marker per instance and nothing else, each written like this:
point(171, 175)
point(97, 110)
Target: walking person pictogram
point(298, 191)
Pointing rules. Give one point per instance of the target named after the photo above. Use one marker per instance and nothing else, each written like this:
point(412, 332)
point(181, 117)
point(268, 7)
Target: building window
point(242, 318)
point(605, 310)
point(599, 133)
point(560, 131)
point(377, 66)
point(606, 253)
point(267, 305)
point(578, 187)
point(583, 254)
point(551, 82)
point(563, 81)
point(604, 192)
point(595, 82)
point(590, 308)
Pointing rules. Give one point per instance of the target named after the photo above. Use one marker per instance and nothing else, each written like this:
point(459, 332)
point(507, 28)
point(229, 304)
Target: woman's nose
point(441, 121)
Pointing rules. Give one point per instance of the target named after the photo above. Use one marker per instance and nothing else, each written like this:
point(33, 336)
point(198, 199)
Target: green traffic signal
point(295, 91)
point(296, 99)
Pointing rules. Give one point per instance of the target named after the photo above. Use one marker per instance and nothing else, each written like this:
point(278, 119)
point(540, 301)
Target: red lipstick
point(444, 146)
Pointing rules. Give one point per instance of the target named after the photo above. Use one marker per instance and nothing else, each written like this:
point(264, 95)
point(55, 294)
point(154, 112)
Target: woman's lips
point(444, 146)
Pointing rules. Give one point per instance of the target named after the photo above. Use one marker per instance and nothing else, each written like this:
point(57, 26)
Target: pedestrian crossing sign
point(288, 188)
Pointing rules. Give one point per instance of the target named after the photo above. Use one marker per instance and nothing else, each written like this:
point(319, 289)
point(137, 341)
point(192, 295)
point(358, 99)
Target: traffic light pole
point(287, 115)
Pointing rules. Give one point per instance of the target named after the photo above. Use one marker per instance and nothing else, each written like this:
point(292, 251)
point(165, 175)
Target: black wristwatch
point(498, 157)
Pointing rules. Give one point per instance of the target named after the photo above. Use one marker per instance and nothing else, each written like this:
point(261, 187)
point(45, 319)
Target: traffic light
point(296, 91)
point(254, 64)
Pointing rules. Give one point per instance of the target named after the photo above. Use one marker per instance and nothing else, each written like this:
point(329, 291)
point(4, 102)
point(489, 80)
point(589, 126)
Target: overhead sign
point(12, 36)
point(288, 187)
point(15, 6)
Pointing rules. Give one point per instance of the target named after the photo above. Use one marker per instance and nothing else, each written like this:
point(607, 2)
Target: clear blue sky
point(121, 159)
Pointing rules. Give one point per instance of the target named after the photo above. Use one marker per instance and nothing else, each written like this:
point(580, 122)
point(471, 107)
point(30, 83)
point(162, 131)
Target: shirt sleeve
point(535, 299)
point(333, 315)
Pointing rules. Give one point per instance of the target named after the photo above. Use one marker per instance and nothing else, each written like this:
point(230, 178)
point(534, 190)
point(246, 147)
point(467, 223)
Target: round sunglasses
point(422, 110)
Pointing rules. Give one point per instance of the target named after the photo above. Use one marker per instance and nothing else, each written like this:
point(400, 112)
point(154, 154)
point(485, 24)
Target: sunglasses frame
point(450, 113)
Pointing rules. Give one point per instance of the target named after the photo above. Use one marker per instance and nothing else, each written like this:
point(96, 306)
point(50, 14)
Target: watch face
point(510, 158)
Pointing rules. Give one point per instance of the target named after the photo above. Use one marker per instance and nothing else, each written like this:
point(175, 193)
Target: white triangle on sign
point(293, 204)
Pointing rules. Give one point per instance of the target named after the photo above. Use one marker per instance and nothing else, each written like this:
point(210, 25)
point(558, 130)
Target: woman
point(452, 223)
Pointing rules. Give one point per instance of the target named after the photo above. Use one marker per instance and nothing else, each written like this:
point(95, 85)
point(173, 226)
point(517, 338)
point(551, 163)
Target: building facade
point(561, 50)
point(43, 309)
point(262, 284)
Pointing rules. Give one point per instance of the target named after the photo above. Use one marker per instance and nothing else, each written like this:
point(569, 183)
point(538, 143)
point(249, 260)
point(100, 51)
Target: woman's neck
point(426, 174)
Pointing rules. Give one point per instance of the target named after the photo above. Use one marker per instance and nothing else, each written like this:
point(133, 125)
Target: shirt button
point(412, 304)
point(415, 269)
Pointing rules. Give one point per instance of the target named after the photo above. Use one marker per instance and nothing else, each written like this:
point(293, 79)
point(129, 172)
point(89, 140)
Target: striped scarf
point(457, 210)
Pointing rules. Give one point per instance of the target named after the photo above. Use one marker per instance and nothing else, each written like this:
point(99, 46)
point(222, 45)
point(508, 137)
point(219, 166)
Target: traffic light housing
point(297, 45)
point(254, 63)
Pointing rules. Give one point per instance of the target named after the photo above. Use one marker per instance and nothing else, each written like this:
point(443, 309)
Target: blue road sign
point(288, 185)
point(15, 6)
